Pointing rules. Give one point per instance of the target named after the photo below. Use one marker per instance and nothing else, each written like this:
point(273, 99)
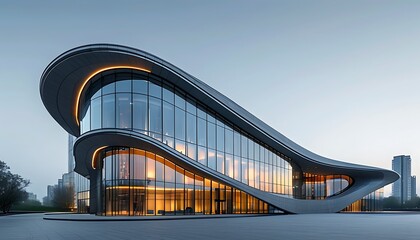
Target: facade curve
point(154, 140)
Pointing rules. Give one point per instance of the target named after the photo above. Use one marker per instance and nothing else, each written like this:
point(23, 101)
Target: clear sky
point(340, 78)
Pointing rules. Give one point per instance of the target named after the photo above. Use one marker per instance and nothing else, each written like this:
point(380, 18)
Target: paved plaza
point(305, 226)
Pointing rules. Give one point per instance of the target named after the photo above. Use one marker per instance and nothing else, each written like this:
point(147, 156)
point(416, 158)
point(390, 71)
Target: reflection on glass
point(153, 107)
point(165, 189)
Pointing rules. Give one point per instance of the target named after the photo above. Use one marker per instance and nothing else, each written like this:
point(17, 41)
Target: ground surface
point(311, 226)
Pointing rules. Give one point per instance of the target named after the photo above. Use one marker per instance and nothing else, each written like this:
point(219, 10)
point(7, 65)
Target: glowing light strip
point(94, 155)
point(76, 111)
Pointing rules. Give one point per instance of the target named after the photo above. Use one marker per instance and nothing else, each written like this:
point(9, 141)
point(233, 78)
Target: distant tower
point(401, 188)
point(413, 187)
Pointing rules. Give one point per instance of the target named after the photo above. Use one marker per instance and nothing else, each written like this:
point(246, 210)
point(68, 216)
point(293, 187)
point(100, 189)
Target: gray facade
point(413, 187)
point(401, 188)
point(101, 93)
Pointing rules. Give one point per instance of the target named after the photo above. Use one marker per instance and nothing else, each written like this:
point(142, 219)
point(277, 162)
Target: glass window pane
point(244, 170)
point(191, 128)
point(155, 113)
point(211, 159)
point(108, 111)
point(155, 90)
point(140, 86)
point(201, 112)
point(180, 146)
point(201, 132)
point(191, 107)
point(96, 113)
point(237, 168)
point(180, 124)
point(211, 135)
point(250, 149)
point(160, 165)
point(86, 118)
point(123, 110)
point(228, 141)
point(210, 118)
point(139, 162)
point(169, 171)
point(168, 119)
point(220, 139)
point(192, 151)
point(169, 141)
point(123, 86)
point(229, 165)
point(140, 112)
point(244, 146)
point(236, 143)
point(168, 95)
point(220, 162)
point(202, 155)
point(179, 101)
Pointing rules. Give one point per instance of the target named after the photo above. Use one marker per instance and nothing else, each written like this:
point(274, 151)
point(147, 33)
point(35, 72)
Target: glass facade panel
point(140, 116)
point(191, 128)
point(140, 86)
point(201, 132)
point(155, 113)
point(169, 115)
point(96, 108)
point(108, 112)
point(155, 90)
point(123, 85)
point(137, 182)
point(179, 124)
point(168, 119)
point(123, 110)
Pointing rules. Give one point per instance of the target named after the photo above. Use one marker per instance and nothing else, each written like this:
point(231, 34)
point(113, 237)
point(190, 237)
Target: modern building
point(413, 187)
point(80, 183)
point(401, 189)
point(32, 196)
point(154, 140)
point(48, 200)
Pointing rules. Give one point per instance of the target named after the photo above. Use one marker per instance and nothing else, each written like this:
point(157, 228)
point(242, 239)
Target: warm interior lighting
point(94, 156)
point(76, 113)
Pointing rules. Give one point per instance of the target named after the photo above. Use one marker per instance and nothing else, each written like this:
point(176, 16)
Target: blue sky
point(340, 78)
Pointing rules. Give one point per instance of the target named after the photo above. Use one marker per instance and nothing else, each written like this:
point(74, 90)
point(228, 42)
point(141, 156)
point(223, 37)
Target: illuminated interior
point(137, 182)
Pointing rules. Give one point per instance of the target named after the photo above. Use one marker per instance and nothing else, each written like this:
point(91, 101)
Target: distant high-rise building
point(32, 196)
point(401, 188)
point(413, 187)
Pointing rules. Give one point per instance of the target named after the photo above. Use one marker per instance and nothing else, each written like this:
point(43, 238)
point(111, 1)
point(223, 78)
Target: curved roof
point(65, 78)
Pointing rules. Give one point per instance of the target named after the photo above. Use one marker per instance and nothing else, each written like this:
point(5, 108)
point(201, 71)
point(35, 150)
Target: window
point(140, 86)
point(155, 110)
point(108, 113)
point(168, 119)
point(179, 124)
point(123, 108)
point(191, 128)
point(96, 113)
point(140, 112)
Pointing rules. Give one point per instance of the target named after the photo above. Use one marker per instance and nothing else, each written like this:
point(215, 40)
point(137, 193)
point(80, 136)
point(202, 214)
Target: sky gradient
point(340, 78)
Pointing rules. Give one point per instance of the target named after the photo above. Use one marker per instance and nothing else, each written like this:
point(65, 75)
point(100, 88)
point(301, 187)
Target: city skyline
point(348, 71)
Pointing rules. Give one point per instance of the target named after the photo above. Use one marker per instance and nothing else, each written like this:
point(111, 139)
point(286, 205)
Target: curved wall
point(145, 94)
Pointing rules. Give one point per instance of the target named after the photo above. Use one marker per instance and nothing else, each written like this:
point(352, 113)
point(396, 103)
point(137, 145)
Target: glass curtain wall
point(144, 103)
point(138, 182)
point(371, 202)
point(318, 187)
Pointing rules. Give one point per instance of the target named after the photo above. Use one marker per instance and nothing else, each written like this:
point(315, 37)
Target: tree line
point(12, 188)
point(393, 203)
